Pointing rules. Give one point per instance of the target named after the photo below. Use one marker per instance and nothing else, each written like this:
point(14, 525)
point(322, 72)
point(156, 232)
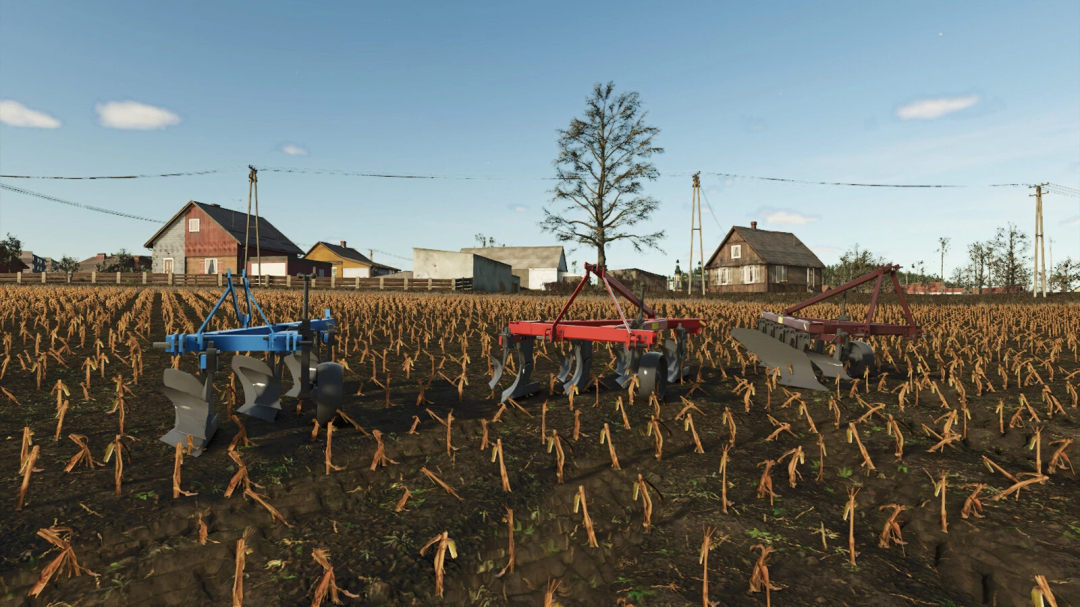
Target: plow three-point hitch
point(653, 369)
point(292, 345)
point(795, 345)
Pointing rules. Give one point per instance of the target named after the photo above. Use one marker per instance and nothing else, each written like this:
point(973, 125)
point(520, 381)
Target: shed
point(535, 266)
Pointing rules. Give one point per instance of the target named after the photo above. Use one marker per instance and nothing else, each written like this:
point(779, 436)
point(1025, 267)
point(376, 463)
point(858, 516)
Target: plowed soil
point(143, 545)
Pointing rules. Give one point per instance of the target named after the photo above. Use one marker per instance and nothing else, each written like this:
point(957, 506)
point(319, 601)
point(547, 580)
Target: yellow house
point(346, 262)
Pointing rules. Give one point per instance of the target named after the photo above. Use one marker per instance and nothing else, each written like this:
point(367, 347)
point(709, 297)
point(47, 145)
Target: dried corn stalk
point(65, 561)
point(1041, 592)
point(444, 544)
point(497, 453)
point(759, 578)
point(327, 583)
point(274, 514)
point(703, 560)
point(438, 481)
point(797, 457)
point(723, 479)
point(972, 504)
point(83, 456)
point(765, 485)
point(849, 515)
point(890, 533)
point(605, 434)
point(329, 438)
point(689, 425)
point(178, 461)
point(401, 502)
point(509, 568)
point(26, 470)
point(853, 434)
point(579, 502)
point(238, 573)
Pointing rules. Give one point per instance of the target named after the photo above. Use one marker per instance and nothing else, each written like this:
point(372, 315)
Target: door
point(168, 265)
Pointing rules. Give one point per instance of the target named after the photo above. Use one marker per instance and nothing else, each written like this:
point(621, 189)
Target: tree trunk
point(601, 256)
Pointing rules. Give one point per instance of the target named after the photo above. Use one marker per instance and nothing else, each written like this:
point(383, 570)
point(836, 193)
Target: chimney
point(100, 257)
point(343, 244)
point(371, 254)
point(753, 225)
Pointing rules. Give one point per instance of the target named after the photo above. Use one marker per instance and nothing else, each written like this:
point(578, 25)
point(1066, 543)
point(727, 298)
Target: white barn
point(535, 266)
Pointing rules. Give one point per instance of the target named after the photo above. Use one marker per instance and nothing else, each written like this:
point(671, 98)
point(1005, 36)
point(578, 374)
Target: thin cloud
point(520, 208)
point(294, 149)
point(134, 116)
point(13, 113)
point(787, 217)
point(1075, 221)
point(929, 109)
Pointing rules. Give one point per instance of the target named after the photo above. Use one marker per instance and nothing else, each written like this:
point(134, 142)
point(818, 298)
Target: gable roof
point(524, 257)
point(234, 222)
point(783, 248)
point(350, 254)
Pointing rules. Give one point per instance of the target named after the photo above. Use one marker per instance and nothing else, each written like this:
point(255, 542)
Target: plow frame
point(828, 329)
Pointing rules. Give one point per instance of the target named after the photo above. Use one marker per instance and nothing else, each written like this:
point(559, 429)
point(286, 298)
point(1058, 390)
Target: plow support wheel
point(652, 375)
point(193, 400)
point(329, 391)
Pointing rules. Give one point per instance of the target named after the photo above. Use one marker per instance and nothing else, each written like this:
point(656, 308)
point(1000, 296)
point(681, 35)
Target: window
point(168, 265)
point(736, 251)
point(193, 225)
point(779, 274)
point(809, 277)
point(333, 271)
point(748, 275)
point(723, 276)
point(209, 266)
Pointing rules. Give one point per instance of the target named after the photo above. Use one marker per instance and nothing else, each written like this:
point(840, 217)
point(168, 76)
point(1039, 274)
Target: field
point(781, 483)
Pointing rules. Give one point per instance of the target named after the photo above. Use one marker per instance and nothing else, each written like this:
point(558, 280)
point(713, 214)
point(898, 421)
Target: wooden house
point(346, 262)
point(208, 239)
point(750, 260)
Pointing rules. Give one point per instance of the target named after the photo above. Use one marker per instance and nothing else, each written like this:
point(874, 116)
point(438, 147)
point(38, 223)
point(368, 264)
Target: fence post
point(405, 287)
point(380, 283)
point(219, 280)
point(453, 284)
point(333, 282)
point(171, 278)
point(144, 277)
point(43, 274)
point(69, 277)
point(357, 283)
point(288, 280)
point(18, 276)
point(93, 277)
point(429, 284)
point(118, 278)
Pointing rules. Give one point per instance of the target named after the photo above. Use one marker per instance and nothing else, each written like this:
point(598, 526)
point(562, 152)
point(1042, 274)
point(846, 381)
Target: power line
point(78, 204)
point(391, 255)
point(712, 212)
point(864, 185)
point(145, 176)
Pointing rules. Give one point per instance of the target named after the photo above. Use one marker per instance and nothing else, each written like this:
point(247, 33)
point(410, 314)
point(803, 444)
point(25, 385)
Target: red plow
point(653, 369)
point(795, 344)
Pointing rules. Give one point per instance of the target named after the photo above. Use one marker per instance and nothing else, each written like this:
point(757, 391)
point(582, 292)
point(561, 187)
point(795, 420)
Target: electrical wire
point(183, 174)
point(712, 212)
point(77, 204)
point(863, 185)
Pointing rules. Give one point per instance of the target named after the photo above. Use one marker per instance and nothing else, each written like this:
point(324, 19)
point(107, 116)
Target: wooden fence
point(380, 283)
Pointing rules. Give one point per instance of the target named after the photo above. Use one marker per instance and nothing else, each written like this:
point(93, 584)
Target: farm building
point(762, 261)
point(634, 278)
point(346, 262)
point(535, 266)
point(487, 275)
point(103, 262)
point(35, 263)
point(208, 239)
point(12, 266)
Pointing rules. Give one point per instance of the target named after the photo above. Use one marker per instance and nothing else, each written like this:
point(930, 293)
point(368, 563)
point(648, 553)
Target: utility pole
point(1040, 248)
point(695, 216)
point(253, 186)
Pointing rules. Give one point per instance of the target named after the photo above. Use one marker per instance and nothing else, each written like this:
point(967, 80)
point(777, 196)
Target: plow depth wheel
point(329, 391)
point(861, 358)
point(652, 375)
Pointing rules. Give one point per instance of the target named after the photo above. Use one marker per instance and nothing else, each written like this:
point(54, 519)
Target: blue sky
point(904, 92)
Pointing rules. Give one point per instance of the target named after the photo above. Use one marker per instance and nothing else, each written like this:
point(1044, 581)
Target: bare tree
point(1010, 260)
point(603, 159)
point(944, 242)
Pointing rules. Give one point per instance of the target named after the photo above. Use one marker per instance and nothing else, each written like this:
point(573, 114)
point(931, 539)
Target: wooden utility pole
point(1040, 244)
point(253, 186)
point(695, 219)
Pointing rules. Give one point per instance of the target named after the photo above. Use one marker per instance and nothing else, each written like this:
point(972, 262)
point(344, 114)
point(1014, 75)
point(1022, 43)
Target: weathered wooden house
point(347, 262)
point(762, 261)
point(208, 239)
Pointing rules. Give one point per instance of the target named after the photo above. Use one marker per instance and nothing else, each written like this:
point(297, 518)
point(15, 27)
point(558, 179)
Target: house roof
point(524, 257)
point(350, 254)
point(234, 222)
point(783, 248)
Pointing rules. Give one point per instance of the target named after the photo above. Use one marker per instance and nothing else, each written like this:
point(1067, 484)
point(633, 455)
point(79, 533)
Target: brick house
point(750, 260)
point(208, 239)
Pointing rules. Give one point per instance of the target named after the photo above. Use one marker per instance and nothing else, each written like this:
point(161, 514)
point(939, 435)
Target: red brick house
point(209, 239)
point(750, 260)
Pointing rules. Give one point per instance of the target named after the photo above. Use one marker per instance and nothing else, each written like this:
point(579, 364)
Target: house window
point(748, 275)
point(168, 265)
point(779, 274)
point(809, 277)
point(723, 276)
point(193, 225)
point(210, 266)
point(333, 271)
point(736, 251)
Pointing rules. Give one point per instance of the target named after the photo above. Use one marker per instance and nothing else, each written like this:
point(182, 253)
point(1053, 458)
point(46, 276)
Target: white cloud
point(520, 208)
point(788, 218)
point(14, 113)
point(825, 250)
point(929, 109)
point(132, 115)
point(1075, 221)
point(293, 149)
